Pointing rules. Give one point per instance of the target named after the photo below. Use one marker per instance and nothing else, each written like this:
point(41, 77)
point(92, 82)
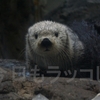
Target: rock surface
point(97, 97)
point(7, 90)
point(21, 88)
point(79, 10)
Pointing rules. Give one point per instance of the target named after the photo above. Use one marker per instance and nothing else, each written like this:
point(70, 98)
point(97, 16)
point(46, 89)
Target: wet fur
point(67, 50)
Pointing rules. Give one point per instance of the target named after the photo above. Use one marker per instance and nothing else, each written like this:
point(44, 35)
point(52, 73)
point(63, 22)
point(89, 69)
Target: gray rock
point(40, 97)
point(10, 96)
point(97, 97)
point(6, 87)
point(61, 89)
point(94, 1)
point(75, 10)
point(7, 90)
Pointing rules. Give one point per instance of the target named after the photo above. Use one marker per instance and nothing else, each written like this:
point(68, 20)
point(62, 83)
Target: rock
point(70, 11)
point(6, 84)
point(16, 17)
point(61, 89)
point(10, 96)
point(94, 1)
point(97, 97)
point(10, 64)
point(40, 97)
point(6, 87)
point(7, 90)
point(6, 74)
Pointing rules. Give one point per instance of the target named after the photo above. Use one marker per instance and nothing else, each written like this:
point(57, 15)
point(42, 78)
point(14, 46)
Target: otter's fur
point(65, 52)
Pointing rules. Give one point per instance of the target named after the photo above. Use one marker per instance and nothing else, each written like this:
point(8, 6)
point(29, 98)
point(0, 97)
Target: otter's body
point(52, 44)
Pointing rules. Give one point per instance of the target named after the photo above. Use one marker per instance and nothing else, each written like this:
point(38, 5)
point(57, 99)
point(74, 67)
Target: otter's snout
point(46, 43)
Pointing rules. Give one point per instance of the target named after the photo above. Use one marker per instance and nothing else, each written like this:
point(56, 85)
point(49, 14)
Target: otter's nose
point(46, 42)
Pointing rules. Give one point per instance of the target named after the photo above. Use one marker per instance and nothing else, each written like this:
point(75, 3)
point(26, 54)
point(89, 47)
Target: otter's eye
point(36, 36)
point(56, 34)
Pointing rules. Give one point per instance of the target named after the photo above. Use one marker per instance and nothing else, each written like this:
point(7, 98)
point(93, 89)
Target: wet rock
point(70, 11)
point(40, 97)
point(7, 90)
point(5, 75)
point(97, 97)
point(10, 96)
point(61, 89)
point(6, 87)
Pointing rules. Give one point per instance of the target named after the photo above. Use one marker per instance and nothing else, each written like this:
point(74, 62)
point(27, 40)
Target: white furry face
point(47, 38)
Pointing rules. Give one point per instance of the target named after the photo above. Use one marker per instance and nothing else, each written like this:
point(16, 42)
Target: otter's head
point(47, 38)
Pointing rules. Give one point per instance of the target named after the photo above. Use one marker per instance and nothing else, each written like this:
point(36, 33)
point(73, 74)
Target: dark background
point(16, 16)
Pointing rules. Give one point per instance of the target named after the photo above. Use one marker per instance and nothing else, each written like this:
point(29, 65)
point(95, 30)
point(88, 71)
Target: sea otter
point(53, 44)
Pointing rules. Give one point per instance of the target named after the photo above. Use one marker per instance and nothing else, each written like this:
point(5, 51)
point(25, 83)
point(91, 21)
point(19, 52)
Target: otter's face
point(47, 38)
